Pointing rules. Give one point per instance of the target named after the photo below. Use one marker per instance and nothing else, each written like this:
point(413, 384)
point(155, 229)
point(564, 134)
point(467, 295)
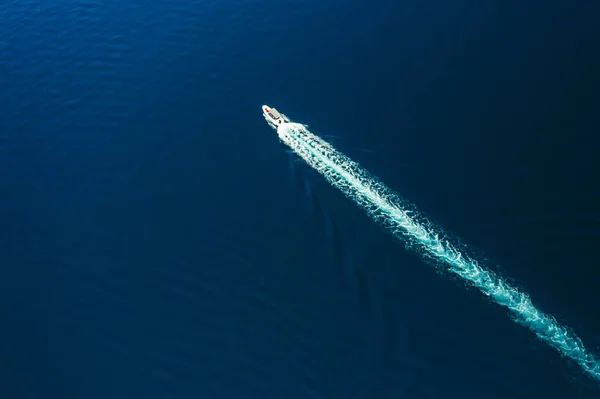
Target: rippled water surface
point(157, 241)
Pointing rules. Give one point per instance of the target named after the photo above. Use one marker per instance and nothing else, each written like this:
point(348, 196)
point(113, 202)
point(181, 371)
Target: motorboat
point(273, 116)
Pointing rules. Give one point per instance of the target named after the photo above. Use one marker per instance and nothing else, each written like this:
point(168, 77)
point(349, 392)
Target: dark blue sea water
point(157, 241)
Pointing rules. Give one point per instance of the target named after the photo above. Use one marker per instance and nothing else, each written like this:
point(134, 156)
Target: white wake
point(386, 208)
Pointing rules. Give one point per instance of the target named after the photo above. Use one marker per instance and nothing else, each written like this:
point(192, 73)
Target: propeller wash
point(388, 209)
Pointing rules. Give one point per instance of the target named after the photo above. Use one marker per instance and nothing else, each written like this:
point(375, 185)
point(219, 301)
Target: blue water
point(158, 241)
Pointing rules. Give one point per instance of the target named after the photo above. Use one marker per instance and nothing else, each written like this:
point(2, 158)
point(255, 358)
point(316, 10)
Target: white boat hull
point(273, 117)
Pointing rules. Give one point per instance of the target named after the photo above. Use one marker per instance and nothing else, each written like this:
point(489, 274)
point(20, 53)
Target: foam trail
point(388, 209)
